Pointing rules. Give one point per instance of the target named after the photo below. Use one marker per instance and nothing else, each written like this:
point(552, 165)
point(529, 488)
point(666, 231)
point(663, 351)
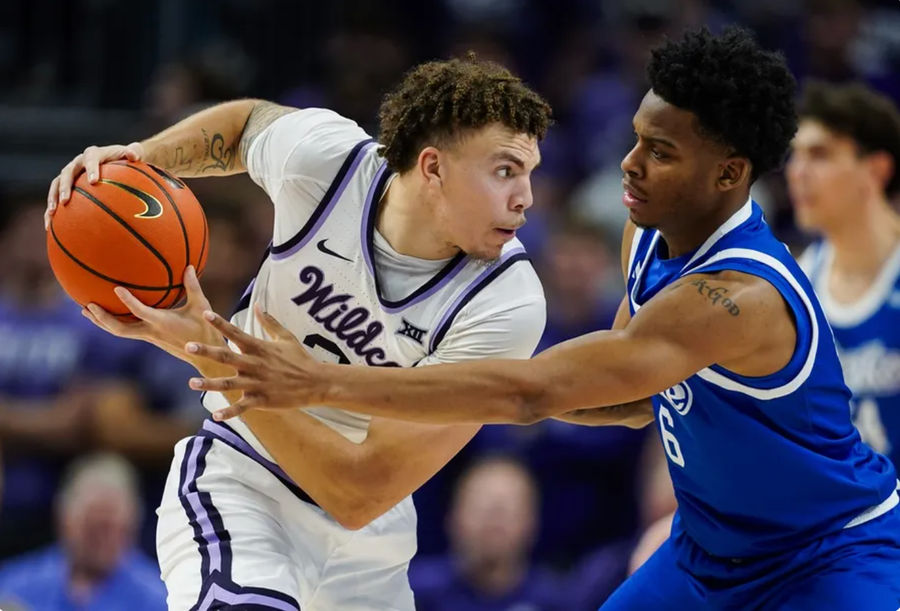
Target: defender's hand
point(89, 161)
point(272, 374)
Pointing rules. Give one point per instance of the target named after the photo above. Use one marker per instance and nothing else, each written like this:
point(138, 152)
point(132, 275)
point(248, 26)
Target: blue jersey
point(867, 333)
point(760, 465)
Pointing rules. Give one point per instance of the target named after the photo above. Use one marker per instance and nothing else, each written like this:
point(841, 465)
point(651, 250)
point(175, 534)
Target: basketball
point(137, 227)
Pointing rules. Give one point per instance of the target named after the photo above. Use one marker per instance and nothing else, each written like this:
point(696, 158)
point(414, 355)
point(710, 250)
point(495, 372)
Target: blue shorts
point(854, 569)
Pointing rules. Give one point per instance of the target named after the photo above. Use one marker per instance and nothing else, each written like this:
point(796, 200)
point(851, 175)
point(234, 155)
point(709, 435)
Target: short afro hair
point(854, 110)
point(742, 95)
point(437, 101)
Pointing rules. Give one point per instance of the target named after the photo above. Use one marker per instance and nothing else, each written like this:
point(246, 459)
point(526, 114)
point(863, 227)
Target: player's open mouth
point(508, 233)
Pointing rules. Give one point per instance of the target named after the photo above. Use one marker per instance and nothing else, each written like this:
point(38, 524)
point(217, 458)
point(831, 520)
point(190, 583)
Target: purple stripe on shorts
point(201, 519)
point(218, 594)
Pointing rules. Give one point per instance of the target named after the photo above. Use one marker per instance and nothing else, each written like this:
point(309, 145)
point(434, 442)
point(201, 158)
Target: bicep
point(675, 334)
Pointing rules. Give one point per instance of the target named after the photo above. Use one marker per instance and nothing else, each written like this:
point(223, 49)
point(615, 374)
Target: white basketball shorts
point(235, 532)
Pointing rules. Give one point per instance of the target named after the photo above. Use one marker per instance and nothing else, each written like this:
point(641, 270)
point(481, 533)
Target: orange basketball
point(137, 227)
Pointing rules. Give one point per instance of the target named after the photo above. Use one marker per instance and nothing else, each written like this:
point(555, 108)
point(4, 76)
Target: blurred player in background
point(720, 341)
point(396, 255)
point(844, 169)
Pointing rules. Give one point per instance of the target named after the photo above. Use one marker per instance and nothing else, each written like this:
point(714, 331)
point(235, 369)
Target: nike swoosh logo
point(321, 246)
point(152, 207)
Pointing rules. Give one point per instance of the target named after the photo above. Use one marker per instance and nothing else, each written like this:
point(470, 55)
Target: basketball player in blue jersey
point(720, 341)
point(402, 254)
point(844, 167)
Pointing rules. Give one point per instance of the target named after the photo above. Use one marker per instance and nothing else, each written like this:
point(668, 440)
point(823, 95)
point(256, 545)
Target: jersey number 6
point(666, 423)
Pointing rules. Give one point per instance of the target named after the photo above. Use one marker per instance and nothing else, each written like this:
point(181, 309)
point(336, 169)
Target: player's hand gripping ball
point(138, 227)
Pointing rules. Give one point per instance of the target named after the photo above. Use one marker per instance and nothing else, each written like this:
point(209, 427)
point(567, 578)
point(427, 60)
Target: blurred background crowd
point(547, 516)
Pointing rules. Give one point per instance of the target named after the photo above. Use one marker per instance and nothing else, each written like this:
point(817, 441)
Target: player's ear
point(881, 167)
point(733, 172)
point(429, 166)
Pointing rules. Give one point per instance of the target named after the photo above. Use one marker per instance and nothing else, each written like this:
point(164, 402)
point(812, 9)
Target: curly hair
point(854, 110)
point(742, 95)
point(437, 101)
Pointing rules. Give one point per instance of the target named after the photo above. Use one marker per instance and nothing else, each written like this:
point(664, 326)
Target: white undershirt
point(400, 275)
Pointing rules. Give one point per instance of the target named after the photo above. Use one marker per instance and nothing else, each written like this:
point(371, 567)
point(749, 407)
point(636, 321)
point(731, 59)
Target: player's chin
point(644, 221)
point(486, 252)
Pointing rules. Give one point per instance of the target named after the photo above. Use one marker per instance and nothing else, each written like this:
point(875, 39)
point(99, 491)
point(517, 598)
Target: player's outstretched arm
point(685, 328)
point(635, 415)
point(212, 142)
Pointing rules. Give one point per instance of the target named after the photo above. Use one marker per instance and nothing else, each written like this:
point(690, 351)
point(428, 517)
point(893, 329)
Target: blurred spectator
point(582, 281)
point(66, 386)
point(602, 571)
point(491, 527)
point(94, 566)
point(46, 352)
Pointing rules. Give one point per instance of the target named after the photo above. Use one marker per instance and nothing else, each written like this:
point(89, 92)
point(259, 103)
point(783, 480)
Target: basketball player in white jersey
point(402, 254)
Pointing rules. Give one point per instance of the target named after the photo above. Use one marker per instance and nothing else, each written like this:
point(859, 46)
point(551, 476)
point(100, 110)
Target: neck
point(408, 224)
point(495, 576)
point(691, 232)
point(863, 245)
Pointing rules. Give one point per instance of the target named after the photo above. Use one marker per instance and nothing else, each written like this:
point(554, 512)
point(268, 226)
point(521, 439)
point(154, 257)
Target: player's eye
point(657, 154)
point(504, 171)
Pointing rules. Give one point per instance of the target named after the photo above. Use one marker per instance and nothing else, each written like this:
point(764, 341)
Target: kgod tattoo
point(717, 296)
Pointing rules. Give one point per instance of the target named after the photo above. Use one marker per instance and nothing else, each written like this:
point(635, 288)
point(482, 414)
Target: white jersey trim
point(635, 241)
point(853, 314)
point(876, 511)
point(639, 272)
point(727, 383)
point(735, 221)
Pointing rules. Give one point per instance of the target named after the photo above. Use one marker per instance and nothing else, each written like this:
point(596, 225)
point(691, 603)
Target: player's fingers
point(93, 156)
point(53, 194)
point(249, 400)
point(87, 314)
point(134, 151)
point(235, 409)
point(272, 326)
point(195, 296)
point(222, 384)
point(245, 342)
point(112, 324)
point(52, 198)
point(135, 306)
point(67, 177)
point(221, 354)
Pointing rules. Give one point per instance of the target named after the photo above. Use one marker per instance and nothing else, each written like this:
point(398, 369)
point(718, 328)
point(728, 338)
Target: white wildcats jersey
point(320, 281)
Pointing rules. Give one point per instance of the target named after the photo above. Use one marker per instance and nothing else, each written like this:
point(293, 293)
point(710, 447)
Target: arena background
point(103, 71)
